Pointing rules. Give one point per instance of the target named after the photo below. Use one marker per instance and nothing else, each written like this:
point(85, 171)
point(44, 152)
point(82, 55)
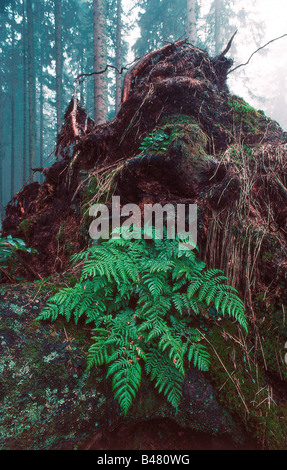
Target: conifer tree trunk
point(59, 61)
point(41, 98)
point(1, 162)
point(119, 56)
point(13, 58)
point(100, 61)
point(24, 33)
point(191, 21)
point(41, 143)
point(31, 85)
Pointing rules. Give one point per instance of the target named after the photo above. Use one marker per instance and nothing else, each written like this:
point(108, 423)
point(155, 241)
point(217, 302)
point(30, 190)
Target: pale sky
point(262, 72)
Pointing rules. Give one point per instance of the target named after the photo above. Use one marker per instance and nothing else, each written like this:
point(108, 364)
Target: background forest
point(46, 44)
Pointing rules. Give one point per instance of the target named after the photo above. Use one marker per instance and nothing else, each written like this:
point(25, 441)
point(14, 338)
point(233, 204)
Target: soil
point(160, 434)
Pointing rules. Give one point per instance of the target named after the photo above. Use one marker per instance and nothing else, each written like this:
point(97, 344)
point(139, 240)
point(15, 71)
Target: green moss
point(67, 237)
point(188, 143)
point(178, 119)
point(26, 227)
point(181, 126)
point(267, 256)
point(244, 113)
point(171, 129)
point(47, 398)
point(53, 284)
point(241, 383)
point(90, 190)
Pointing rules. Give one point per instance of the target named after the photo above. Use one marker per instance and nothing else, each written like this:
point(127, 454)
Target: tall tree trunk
point(13, 73)
point(119, 56)
point(41, 143)
point(2, 153)
point(217, 8)
point(59, 61)
point(31, 85)
point(24, 33)
point(41, 97)
point(191, 21)
point(100, 61)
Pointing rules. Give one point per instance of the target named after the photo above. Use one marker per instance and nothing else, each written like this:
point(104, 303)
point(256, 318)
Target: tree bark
point(100, 62)
point(59, 61)
point(2, 154)
point(13, 58)
point(191, 21)
point(41, 98)
point(31, 85)
point(41, 143)
point(24, 33)
point(119, 56)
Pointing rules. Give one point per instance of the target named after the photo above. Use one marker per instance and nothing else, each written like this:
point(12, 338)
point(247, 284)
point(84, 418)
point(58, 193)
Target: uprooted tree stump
point(217, 152)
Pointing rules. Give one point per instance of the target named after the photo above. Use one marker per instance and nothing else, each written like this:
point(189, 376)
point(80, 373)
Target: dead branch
point(108, 66)
point(257, 50)
point(224, 52)
point(40, 170)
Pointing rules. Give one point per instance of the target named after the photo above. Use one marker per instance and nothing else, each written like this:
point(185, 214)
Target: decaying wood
point(74, 118)
point(134, 71)
point(76, 125)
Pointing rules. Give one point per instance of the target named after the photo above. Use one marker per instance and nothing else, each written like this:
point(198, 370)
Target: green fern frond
point(200, 356)
point(98, 353)
point(49, 312)
point(141, 297)
point(126, 373)
point(168, 379)
point(181, 303)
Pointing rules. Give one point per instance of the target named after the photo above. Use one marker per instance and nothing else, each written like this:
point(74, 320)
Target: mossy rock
point(50, 401)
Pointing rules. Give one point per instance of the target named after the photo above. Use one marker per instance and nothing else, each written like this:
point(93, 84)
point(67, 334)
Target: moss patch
point(26, 227)
point(242, 384)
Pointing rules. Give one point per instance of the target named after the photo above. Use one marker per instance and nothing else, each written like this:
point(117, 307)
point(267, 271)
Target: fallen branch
point(257, 50)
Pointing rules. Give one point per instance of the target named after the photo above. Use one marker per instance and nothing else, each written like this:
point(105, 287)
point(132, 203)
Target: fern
point(143, 298)
point(167, 377)
point(9, 259)
point(126, 373)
